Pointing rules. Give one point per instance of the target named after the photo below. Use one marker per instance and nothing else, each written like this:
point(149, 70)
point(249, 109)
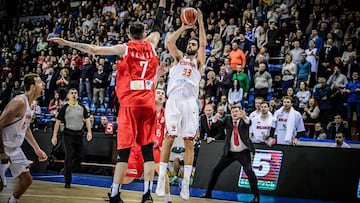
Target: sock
point(147, 186)
point(167, 197)
point(12, 199)
point(151, 186)
point(187, 172)
point(115, 188)
point(162, 168)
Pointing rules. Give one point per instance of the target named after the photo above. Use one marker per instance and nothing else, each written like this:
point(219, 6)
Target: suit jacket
point(334, 52)
point(216, 130)
point(223, 86)
point(243, 130)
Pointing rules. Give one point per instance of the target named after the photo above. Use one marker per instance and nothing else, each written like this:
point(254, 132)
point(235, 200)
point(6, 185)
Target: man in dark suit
point(238, 147)
point(327, 56)
point(209, 128)
point(222, 82)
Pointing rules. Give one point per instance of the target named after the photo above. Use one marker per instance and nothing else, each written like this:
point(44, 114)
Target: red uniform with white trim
point(135, 163)
point(135, 90)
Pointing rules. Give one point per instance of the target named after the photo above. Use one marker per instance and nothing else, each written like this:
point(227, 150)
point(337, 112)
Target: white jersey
point(14, 133)
point(184, 79)
point(260, 128)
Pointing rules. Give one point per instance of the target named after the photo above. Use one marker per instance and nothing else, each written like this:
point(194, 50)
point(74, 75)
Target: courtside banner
point(266, 165)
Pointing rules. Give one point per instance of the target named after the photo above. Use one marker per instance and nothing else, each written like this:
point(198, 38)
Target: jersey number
point(144, 65)
point(186, 72)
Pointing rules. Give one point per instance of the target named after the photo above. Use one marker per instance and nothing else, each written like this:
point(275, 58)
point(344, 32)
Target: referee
point(73, 115)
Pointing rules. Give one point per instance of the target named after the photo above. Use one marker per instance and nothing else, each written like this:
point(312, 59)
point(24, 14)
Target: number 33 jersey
point(184, 79)
point(135, 74)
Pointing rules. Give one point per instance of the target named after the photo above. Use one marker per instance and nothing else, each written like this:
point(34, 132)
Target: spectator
point(5, 95)
point(50, 84)
point(340, 141)
point(224, 104)
point(303, 70)
point(322, 95)
point(63, 82)
point(274, 39)
point(312, 57)
point(319, 132)
point(338, 125)
point(16, 89)
point(100, 126)
point(347, 53)
point(327, 56)
point(263, 82)
point(242, 78)
point(222, 82)
point(86, 75)
point(311, 115)
point(210, 129)
point(55, 104)
point(235, 94)
point(288, 72)
point(304, 95)
point(99, 83)
point(237, 57)
point(296, 52)
point(7, 68)
point(337, 82)
point(352, 90)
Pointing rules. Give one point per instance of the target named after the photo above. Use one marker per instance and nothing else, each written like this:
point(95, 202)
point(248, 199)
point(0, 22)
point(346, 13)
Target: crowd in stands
point(268, 48)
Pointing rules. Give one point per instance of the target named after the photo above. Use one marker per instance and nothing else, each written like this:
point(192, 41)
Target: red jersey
point(160, 128)
point(135, 75)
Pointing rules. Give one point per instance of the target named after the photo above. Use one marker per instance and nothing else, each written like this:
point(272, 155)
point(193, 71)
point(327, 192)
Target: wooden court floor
point(50, 192)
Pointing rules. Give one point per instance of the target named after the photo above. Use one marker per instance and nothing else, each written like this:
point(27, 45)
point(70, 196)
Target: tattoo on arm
point(82, 47)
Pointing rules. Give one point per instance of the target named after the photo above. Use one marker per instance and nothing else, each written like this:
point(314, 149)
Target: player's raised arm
point(156, 30)
point(202, 40)
point(118, 50)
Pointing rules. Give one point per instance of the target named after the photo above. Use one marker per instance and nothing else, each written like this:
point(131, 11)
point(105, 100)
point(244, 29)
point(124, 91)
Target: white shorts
point(182, 117)
point(19, 163)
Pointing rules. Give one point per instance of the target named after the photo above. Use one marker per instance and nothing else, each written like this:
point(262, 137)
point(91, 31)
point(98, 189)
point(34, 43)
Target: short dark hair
point(196, 39)
point(289, 98)
point(235, 106)
point(29, 79)
point(72, 89)
point(137, 30)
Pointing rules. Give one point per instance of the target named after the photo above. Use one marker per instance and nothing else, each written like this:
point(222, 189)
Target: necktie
point(209, 123)
point(236, 135)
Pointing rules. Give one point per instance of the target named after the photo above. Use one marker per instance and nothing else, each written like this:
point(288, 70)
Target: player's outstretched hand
point(59, 41)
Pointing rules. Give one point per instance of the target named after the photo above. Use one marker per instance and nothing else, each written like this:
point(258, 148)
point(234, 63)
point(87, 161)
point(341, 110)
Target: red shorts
point(136, 125)
point(135, 163)
point(156, 153)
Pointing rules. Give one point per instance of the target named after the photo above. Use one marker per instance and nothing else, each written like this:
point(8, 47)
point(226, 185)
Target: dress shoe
point(256, 199)
point(206, 195)
point(67, 185)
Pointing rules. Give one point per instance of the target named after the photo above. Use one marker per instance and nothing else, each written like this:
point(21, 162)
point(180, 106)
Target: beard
point(190, 52)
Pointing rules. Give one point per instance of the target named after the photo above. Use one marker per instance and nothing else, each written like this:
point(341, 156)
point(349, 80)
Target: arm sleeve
point(61, 115)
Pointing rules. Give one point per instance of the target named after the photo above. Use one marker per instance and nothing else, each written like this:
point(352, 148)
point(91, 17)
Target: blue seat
point(44, 110)
point(110, 118)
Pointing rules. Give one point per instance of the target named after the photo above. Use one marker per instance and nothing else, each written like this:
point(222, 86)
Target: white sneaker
point(160, 186)
point(185, 193)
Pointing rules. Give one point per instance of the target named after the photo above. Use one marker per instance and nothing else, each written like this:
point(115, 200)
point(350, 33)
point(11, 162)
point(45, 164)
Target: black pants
point(73, 148)
point(244, 158)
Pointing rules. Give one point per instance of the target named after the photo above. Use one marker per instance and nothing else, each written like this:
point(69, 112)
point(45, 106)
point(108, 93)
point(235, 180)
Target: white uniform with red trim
point(182, 110)
point(13, 138)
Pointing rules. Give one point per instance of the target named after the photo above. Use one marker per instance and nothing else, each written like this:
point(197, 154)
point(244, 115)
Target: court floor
point(52, 192)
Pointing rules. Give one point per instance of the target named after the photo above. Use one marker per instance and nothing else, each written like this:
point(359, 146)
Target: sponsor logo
point(266, 165)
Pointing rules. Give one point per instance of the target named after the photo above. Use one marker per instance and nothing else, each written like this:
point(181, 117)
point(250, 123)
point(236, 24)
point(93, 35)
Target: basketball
point(189, 16)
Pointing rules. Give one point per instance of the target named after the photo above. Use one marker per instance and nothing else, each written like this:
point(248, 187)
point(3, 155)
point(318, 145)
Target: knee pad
point(147, 152)
point(123, 155)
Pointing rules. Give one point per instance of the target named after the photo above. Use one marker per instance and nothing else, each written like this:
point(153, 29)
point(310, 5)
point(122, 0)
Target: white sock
point(13, 199)
point(162, 168)
point(167, 197)
point(115, 188)
point(151, 186)
point(147, 186)
point(187, 172)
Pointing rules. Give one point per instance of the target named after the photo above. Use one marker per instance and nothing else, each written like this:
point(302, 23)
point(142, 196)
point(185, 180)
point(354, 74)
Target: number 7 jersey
point(135, 74)
point(184, 79)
